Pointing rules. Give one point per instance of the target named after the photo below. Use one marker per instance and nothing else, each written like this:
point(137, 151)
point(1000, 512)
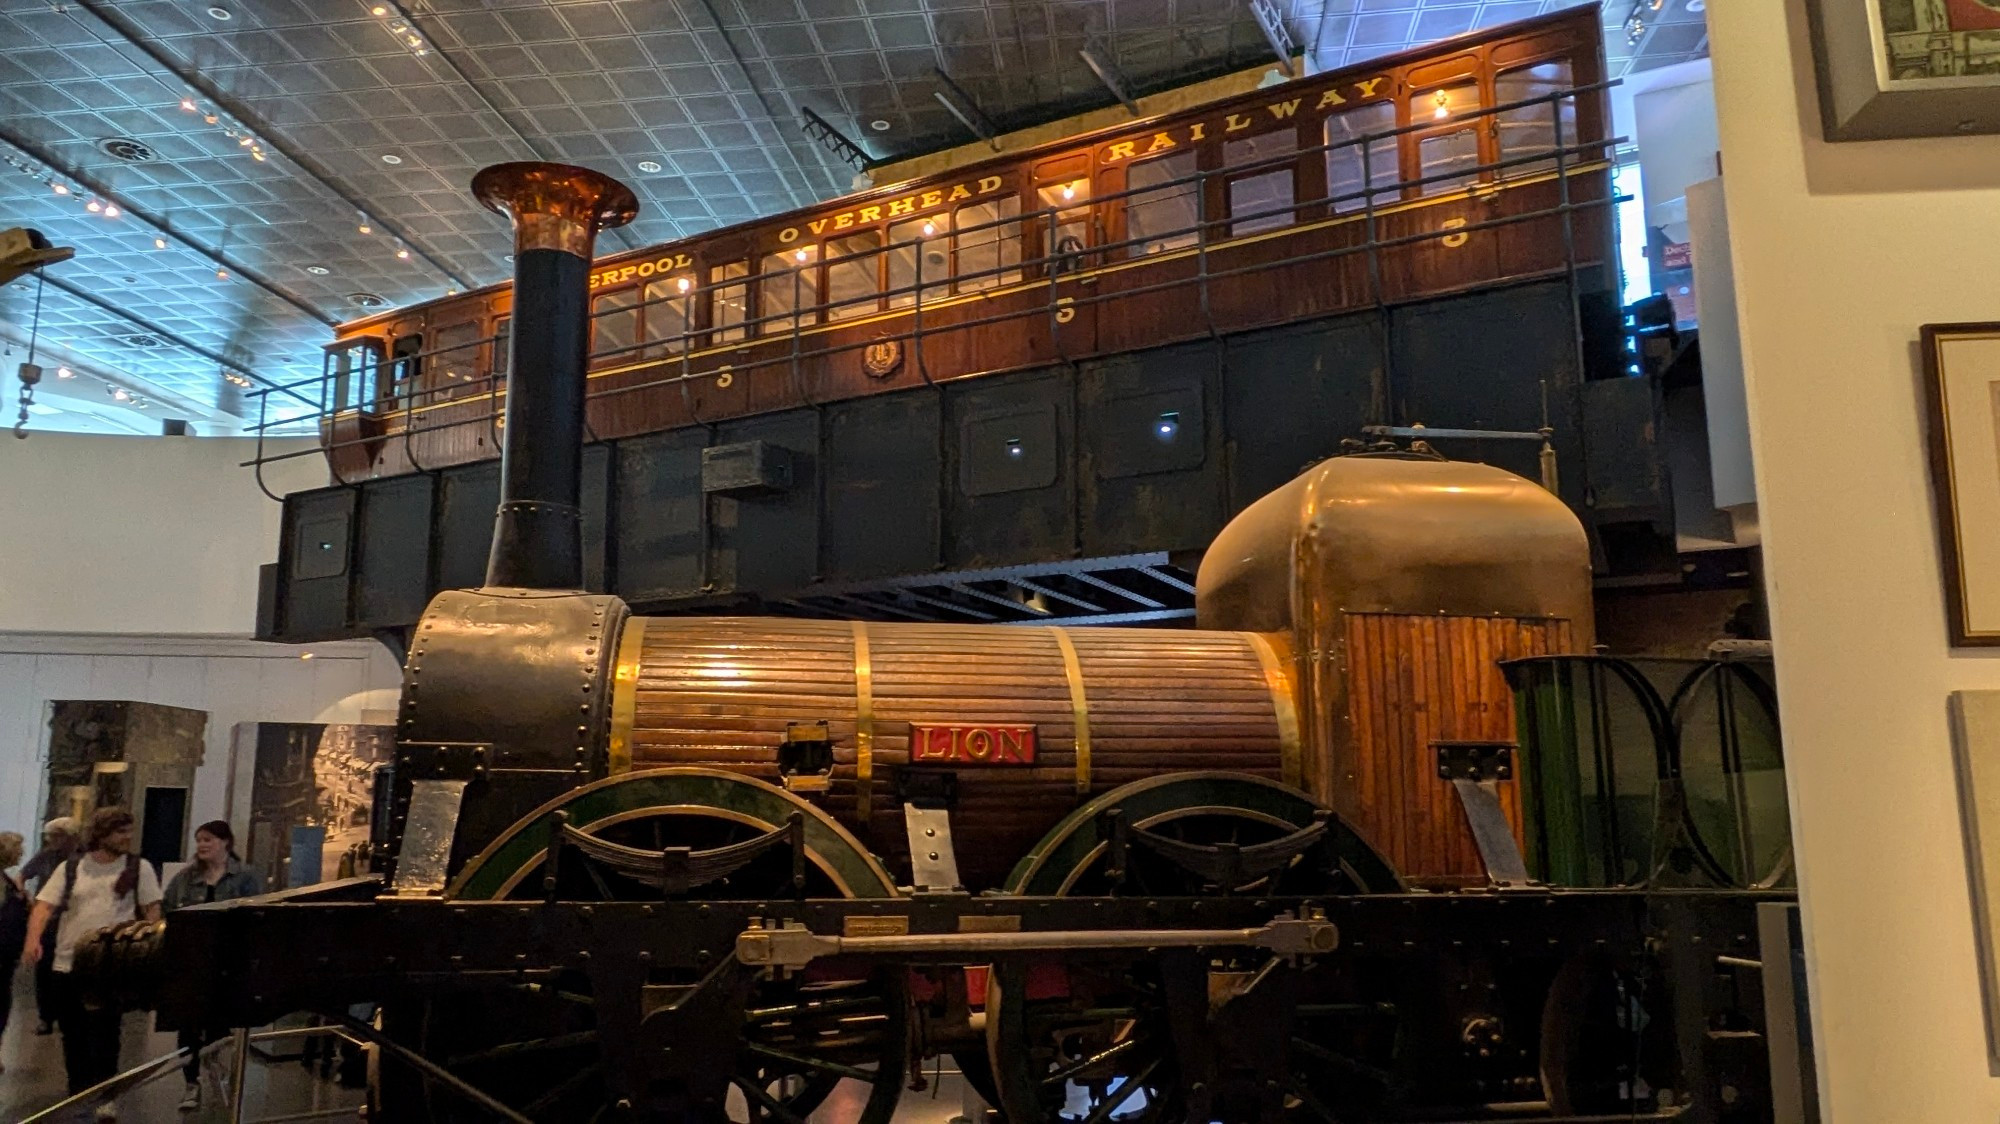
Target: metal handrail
point(111, 1088)
point(1490, 175)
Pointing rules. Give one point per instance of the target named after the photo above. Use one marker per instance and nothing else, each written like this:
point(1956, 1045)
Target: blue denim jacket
point(186, 888)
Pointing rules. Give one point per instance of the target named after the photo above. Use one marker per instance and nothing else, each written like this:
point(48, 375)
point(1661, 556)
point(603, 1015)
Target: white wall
point(1840, 253)
point(233, 679)
point(138, 534)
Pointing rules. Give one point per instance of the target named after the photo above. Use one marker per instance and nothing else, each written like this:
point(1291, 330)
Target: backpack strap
point(69, 878)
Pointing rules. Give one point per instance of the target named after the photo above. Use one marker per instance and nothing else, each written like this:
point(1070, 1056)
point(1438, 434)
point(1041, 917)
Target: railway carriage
point(1481, 160)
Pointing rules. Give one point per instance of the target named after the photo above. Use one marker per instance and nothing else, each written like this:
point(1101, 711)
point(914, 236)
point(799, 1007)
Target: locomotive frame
point(558, 933)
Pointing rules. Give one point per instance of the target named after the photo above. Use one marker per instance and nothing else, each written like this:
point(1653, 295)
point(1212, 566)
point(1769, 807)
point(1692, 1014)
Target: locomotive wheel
point(806, 1042)
point(1095, 1041)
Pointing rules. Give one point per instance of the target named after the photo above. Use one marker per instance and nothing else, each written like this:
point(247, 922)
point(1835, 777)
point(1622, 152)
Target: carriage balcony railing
point(803, 320)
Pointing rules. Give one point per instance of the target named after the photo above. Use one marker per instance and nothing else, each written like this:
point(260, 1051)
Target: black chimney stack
point(557, 211)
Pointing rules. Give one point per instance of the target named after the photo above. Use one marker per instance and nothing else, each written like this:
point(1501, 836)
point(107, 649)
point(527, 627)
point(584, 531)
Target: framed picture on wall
point(1906, 68)
point(1962, 396)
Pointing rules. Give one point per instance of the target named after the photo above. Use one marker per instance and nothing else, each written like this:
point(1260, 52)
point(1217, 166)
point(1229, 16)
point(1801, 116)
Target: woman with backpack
point(104, 884)
point(215, 875)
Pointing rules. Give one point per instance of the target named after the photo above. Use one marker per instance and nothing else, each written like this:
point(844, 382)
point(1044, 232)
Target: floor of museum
point(278, 1088)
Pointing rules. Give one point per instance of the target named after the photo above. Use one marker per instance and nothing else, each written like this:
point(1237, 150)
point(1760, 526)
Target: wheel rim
point(1101, 1051)
point(807, 1042)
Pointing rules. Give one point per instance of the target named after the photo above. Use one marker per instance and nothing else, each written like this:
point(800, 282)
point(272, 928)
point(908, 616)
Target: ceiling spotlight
point(60, 188)
point(246, 141)
point(416, 41)
point(93, 206)
point(391, 158)
point(508, 257)
point(257, 154)
point(305, 655)
point(649, 166)
point(365, 228)
point(187, 105)
point(404, 253)
point(111, 210)
point(378, 10)
point(120, 394)
point(880, 125)
point(318, 270)
point(218, 13)
point(159, 243)
point(210, 118)
point(65, 373)
point(222, 275)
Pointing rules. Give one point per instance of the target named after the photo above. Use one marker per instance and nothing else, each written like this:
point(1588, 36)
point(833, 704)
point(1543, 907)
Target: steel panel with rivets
point(523, 672)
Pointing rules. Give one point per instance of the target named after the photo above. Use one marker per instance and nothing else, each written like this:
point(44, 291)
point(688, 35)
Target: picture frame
point(1889, 69)
point(1961, 379)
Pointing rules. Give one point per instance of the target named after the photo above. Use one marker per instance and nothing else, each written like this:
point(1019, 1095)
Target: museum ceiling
point(238, 177)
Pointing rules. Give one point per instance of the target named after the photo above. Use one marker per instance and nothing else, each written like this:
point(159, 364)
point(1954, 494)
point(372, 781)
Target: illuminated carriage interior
point(1088, 356)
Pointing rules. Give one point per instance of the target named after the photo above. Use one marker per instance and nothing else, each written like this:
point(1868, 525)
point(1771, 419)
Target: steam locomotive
point(1268, 869)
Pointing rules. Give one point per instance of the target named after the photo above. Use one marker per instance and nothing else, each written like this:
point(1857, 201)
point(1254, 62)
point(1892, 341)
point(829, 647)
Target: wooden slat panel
point(1414, 680)
point(720, 691)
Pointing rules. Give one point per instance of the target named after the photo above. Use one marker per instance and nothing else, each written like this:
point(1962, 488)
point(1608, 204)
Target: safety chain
point(30, 374)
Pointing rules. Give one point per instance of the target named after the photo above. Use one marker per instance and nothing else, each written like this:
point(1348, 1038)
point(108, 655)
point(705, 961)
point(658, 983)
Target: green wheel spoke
point(1297, 1087)
point(512, 1049)
point(1112, 1102)
point(1063, 1075)
point(765, 1100)
point(802, 1060)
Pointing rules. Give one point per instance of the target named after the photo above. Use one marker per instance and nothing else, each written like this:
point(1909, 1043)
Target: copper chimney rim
point(555, 206)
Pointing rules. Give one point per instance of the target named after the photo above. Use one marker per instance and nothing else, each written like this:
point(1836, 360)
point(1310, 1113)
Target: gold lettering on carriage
point(662, 266)
point(914, 203)
point(1285, 110)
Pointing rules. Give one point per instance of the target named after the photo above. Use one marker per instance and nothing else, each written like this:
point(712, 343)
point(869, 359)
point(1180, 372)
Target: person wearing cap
point(59, 840)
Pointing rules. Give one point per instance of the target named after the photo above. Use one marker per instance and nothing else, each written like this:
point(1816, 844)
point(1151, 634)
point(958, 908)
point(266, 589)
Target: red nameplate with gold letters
point(978, 743)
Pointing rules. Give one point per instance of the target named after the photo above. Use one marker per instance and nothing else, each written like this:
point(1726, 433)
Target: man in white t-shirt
point(102, 884)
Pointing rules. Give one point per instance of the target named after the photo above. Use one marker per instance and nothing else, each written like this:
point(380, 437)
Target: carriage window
point(1263, 196)
point(1441, 153)
point(1162, 218)
point(503, 344)
point(406, 360)
point(456, 363)
point(1530, 129)
point(614, 327)
point(931, 238)
point(852, 266)
point(668, 304)
point(785, 285)
point(729, 310)
point(989, 248)
point(1071, 202)
point(352, 370)
point(1343, 165)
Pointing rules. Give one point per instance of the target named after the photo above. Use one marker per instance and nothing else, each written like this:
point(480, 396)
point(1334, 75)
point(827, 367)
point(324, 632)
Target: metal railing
point(1051, 269)
point(240, 1046)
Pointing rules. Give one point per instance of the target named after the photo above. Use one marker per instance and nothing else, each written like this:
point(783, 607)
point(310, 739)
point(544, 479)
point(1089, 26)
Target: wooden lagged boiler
point(729, 869)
